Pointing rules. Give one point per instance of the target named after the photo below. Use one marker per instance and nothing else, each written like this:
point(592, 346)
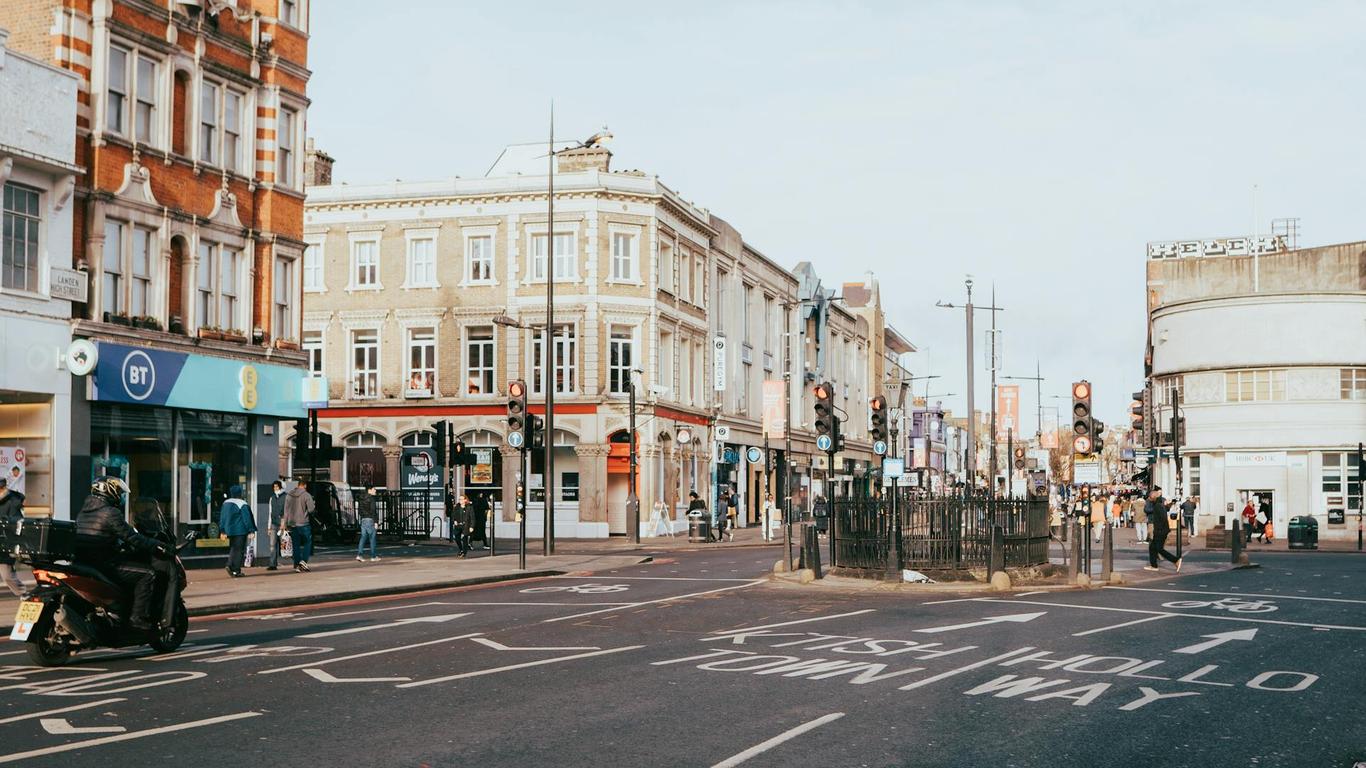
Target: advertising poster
point(13, 467)
point(775, 423)
point(482, 471)
point(1007, 410)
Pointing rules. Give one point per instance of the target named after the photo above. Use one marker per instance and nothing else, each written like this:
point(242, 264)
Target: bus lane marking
point(511, 667)
point(321, 662)
point(796, 622)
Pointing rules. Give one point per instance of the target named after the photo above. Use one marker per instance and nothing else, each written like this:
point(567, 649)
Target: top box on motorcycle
point(43, 539)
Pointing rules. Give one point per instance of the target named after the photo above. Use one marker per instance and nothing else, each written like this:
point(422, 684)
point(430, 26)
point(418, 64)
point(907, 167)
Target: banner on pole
point(1007, 411)
point(775, 421)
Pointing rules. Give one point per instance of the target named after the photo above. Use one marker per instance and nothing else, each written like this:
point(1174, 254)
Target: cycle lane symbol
point(1230, 604)
point(580, 589)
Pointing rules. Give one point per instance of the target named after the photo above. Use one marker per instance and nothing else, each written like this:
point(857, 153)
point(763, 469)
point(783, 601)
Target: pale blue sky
point(1024, 143)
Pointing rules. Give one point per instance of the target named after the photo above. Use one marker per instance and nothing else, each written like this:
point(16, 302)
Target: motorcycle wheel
point(172, 636)
point(44, 647)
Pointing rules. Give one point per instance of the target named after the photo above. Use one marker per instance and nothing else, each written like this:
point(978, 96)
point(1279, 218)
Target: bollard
point(1107, 556)
point(1236, 541)
point(813, 547)
point(1074, 562)
point(997, 562)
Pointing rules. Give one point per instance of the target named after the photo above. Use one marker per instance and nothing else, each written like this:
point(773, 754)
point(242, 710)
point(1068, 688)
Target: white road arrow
point(391, 625)
point(323, 677)
point(1218, 639)
point(60, 727)
point(497, 646)
point(1014, 618)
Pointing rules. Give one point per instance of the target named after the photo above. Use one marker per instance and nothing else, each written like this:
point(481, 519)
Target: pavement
point(697, 659)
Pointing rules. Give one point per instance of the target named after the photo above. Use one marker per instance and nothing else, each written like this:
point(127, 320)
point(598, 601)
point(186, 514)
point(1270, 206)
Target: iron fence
point(938, 532)
point(407, 514)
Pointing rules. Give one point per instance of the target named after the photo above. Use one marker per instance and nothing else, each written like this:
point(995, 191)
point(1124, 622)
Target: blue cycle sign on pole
point(823, 442)
point(880, 447)
point(753, 454)
point(515, 439)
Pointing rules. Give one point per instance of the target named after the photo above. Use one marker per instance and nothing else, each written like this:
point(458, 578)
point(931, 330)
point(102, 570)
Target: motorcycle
point(77, 607)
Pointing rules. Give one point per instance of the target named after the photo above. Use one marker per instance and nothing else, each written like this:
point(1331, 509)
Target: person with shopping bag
point(235, 523)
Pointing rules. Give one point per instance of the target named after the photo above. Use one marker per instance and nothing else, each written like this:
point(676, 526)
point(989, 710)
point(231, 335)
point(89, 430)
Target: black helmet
point(111, 489)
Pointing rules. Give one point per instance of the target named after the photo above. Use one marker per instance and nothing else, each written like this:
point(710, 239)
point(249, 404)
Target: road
point(694, 660)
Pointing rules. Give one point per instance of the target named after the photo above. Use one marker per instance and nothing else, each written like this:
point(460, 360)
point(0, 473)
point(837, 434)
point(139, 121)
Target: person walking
point(481, 518)
point(11, 512)
point(299, 508)
point(235, 523)
point(1188, 514)
point(462, 516)
point(1263, 523)
point(1156, 510)
point(365, 511)
point(770, 516)
point(1097, 517)
point(1140, 519)
point(732, 512)
point(1249, 518)
point(277, 513)
point(1116, 511)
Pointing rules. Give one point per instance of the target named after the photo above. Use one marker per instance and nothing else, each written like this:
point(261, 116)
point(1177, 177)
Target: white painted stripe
point(367, 653)
point(787, 735)
point(1243, 594)
point(75, 745)
point(577, 605)
point(1036, 592)
point(652, 602)
point(946, 602)
point(510, 667)
point(367, 610)
point(201, 651)
point(790, 623)
point(72, 708)
point(1187, 615)
point(614, 577)
point(960, 670)
point(1125, 624)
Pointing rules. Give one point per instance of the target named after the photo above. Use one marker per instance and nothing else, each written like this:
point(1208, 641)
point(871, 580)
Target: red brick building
point(188, 223)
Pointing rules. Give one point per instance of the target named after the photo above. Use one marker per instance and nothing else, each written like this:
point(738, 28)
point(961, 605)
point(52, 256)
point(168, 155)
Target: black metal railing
point(406, 514)
point(938, 532)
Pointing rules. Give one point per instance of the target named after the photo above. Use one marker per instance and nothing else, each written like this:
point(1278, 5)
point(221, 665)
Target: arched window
point(421, 438)
point(481, 437)
point(565, 439)
point(365, 440)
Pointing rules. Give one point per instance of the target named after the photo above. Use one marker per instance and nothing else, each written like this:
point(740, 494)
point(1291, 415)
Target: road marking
point(391, 625)
point(511, 667)
point(367, 610)
point(211, 648)
point(969, 667)
point(324, 677)
point(790, 623)
point(367, 653)
point(787, 735)
point(497, 646)
point(61, 710)
point(1125, 624)
point(1015, 618)
point(1244, 594)
point(656, 578)
point(75, 745)
point(652, 602)
point(1210, 617)
point(58, 726)
point(1036, 592)
point(1219, 639)
point(573, 605)
point(946, 602)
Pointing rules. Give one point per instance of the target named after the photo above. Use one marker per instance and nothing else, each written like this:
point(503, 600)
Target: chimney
point(317, 166)
point(583, 159)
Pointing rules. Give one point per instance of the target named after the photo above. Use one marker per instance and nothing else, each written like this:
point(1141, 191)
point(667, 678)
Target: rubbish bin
point(699, 528)
point(1303, 532)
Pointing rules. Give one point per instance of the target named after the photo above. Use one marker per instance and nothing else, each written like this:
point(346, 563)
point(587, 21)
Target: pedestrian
point(1140, 519)
point(235, 523)
point(732, 512)
point(1116, 510)
point(462, 515)
point(481, 518)
point(1097, 518)
point(1263, 522)
point(11, 512)
point(298, 520)
point(1188, 514)
point(1249, 519)
point(277, 513)
point(365, 511)
point(1269, 532)
point(770, 515)
point(1156, 509)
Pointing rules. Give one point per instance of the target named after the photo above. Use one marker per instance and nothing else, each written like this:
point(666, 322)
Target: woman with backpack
point(235, 523)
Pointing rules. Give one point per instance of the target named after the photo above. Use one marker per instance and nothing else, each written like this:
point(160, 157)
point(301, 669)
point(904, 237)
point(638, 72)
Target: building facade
point(1266, 355)
point(37, 181)
point(187, 220)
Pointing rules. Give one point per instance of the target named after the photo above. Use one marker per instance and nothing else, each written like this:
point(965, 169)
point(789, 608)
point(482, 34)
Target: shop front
point(182, 429)
point(35, 405)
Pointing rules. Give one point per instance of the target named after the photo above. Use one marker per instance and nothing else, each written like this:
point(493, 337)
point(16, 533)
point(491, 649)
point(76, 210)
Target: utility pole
point(970, 456)
point(1038, 380)
point(993, 463)
point(633, 496)
point(548, 361)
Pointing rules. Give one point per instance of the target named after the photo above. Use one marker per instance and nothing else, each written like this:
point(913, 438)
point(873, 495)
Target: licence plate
point(28, 615)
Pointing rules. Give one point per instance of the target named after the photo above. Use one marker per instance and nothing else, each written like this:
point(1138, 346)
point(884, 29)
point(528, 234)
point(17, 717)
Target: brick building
point(188, 220)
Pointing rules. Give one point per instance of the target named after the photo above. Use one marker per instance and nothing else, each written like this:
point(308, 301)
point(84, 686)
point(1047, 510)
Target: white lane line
point(969, 667)
point(511, 667)
point(75, 745)
point(72, 708)
point(573, 605)
point(391, 625)
point(207, 649)
point(787, 735)
point(367, 610)
point(652, 602)
point(1243, 594)
point(946, 602)
point(1036, 592)
point(798, 621)
point(1187, 615)
point(195, 631)
point(320, 663)
point(654, 578)
point(1125, 624)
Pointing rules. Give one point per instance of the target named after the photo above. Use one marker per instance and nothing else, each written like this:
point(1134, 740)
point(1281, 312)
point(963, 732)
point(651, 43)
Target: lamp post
point(550, 355)
point(970, 468)
point(632, 495)
point(1038, 380)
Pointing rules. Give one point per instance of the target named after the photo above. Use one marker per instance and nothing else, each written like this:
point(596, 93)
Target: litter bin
point(1303, 532)
point(699, 528)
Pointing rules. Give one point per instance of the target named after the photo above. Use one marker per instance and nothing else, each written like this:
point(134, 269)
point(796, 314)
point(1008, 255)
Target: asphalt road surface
point(694, 660)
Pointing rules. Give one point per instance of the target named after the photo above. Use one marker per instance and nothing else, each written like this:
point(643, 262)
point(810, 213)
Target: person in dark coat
point(462, 517)
point(235, 523)
point(103, 535)
point(11, 512)
point(368, 517)
point(481, 519)
point(277, 513)
point(1156, 510)
point(298, 519)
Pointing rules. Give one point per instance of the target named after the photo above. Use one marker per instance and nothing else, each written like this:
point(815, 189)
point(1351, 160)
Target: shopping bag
point(250, 555)
point(286, 545)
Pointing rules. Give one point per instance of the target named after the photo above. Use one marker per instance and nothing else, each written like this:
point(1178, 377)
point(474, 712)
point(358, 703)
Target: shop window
point(214, 455)
point(26, 449)
point(138, 444)
point(19, 247)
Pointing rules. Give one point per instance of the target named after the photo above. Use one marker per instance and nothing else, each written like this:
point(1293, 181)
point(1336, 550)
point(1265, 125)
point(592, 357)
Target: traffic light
point(877, 413)
point(1083, 429)
point(517, 421)
point(1097, 432)
point(825, 409)
point(301, 434)
point(1138, 413)
point(536, 428)
point(1020, 458)
point(326, 452)
point(441, 429)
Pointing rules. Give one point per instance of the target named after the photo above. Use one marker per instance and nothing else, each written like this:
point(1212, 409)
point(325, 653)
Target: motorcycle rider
point(101, 536)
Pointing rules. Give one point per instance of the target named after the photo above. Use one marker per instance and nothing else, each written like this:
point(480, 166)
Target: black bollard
point(1107, 557)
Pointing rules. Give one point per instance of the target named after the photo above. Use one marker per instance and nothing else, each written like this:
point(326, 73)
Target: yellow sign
point(247, 394)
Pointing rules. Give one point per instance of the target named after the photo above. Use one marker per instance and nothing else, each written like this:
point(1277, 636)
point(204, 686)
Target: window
point(116, 92)
point(564, 256)
point(720, 303)
point(684, 274)
point(565, 360)
point(365, 364)
point(203, 285)
point(479, 360)
point(479, 259)
point(228, 289)
point(685, 372)
point(284, 137)
point(623, 256)
point(666, 267)
point(208, 123)
point(421, 263)
point(1353, 383)
point(745, 376)
point(111, 294)
point(1252, 386)
point(421, 362)
point(19, 248)
point(1193, 474)
point(768, 325)
point(131, 81)
point(744, 317)
point(313, 347)
point(144, 110)
point(141, 285)
point(1166, 386)
point(666, 360)
point(232, 130)
point(365, 265)
point(289, 12)
point(313, 268)
point(283, 325)
point(700, 280)
point(218, 288)
point(621, 359)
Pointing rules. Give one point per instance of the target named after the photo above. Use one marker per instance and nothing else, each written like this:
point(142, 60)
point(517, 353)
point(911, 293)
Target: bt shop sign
point(149, 376)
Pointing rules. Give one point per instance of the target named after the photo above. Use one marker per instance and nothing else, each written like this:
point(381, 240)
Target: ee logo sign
point(246, 395)
point(139, 375)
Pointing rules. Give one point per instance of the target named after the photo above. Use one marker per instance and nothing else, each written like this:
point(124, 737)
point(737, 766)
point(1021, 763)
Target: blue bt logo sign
point(139, 375)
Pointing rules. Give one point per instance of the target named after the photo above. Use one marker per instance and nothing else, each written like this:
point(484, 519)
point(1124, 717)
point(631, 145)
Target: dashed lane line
point(72, 708)
point(1125, 624)
point(787, 735)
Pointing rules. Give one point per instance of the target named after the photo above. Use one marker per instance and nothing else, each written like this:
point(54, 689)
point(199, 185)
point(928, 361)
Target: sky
point(1036, 146)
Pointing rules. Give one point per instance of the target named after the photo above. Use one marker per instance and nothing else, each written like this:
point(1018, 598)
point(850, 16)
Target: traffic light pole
point(1361, 485)
point(1010, 456)
point(633, 496)
point(521, 508)
point(834, 484)
point(1176, 460)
